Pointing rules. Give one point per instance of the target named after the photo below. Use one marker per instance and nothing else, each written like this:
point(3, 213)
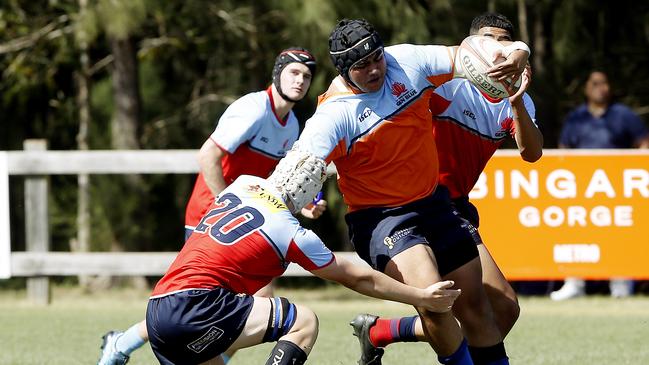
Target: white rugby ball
point(474, 57)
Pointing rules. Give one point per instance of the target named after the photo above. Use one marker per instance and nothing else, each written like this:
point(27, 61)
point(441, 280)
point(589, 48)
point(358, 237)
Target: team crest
point(253, 188)
point(401, 92)
point(505, 126)
point(398, 89)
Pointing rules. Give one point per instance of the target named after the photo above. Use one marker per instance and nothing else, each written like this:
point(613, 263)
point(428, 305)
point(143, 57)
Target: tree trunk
point(124, 135)
point(126, 95)
point(539, 41)
point(522, 21)
point(82, 242)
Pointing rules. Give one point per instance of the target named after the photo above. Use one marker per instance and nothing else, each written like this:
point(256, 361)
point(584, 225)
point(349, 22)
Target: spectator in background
point(598, 123)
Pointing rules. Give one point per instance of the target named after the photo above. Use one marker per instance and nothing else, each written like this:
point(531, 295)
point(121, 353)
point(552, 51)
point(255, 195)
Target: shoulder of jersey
point(259, 191)
point(337, 90)
point(253, 102)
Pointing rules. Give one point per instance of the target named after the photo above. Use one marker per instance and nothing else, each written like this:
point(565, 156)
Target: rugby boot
point(370, 355)
point(109, 354)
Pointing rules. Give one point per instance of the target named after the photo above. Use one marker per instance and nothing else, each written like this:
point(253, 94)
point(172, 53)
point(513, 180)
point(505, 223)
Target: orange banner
point(581, 213)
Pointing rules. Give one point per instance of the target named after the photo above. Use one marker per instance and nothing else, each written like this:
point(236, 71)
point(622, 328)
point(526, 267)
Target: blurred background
point(145, 74)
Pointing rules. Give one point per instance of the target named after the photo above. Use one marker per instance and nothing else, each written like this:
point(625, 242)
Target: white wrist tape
point(518, 45)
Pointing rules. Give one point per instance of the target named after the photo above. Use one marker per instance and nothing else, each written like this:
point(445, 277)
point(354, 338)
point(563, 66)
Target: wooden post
point(5, 236)
point(37, 224)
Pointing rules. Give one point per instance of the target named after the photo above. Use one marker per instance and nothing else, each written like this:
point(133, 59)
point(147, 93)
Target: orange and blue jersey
point(381, 142)
point(253, 138)
point(468, 128)
point(247, 238)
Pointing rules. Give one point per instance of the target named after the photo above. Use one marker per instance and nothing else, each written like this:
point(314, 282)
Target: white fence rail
point(32, 264)
point(37, 262)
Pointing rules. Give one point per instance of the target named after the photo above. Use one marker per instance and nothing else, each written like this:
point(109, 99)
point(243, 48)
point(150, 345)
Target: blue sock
point(491, 355)
point(504, 361)
point(226, 358)
point(461, 356)
point(130, 340)
point(407, 329)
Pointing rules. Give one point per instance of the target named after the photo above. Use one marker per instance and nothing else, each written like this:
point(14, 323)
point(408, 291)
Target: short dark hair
point(489, 19)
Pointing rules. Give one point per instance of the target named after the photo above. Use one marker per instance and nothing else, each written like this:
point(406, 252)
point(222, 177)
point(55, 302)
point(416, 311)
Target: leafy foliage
point(195, 57)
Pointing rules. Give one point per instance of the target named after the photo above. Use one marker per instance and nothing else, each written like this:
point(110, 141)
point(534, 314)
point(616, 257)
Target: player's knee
point(307, 322)
point(289, 321)
point(282, 319)
point(432, 316)
point(514, 310)
point(474, 305)
point(507, 314)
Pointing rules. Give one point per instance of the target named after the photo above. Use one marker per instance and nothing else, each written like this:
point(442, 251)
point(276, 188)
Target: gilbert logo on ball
point(474, 57)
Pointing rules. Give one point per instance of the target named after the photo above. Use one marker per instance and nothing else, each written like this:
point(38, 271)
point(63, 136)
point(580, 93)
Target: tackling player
point(468, 127)
point(252, 135)
point(374, 122)
point(204, 306)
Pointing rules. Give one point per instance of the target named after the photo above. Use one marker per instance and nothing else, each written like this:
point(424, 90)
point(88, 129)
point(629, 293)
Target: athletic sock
point(286, 353)
point(130, 340)
point(391, 330)
point(225, 358)
point(461, 356)
point(492, 355)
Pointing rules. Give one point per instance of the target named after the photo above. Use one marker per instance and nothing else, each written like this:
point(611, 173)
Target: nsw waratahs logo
point(506, 125)
point(401, 92)
point(398, 89)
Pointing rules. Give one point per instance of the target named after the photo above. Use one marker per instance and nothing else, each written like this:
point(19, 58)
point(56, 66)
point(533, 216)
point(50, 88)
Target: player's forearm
point(209, 160)
point(375, 284)
point(214, 179)
point(528, 137)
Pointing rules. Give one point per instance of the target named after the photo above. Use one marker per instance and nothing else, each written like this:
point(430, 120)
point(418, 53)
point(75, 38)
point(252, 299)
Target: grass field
point(593, 330)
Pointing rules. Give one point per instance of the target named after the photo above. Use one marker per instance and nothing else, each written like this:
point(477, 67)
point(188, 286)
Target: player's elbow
point(531, 154)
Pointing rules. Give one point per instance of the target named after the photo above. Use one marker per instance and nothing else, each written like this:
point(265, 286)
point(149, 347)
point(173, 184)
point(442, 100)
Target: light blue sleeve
point(434, 63)
point(239, 123)
point(328, 132)
point(311, 252)
point(531, 109)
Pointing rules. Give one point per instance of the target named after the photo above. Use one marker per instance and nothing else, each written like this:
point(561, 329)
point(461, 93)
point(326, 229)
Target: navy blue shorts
point(378, 234)
point(466, 210)
point(194, 326)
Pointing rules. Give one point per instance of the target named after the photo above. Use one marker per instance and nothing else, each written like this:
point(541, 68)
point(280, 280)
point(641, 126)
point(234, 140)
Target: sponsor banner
point(578, 213)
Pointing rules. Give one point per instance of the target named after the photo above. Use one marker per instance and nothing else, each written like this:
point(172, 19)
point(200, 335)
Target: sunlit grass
point(592, 330)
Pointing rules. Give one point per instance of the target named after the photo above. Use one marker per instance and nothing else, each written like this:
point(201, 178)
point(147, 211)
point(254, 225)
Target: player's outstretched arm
point(528, 137)
point(436, 298)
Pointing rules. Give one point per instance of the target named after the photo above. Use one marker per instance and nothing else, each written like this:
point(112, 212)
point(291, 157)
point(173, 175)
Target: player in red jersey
point(204, 306)
point(252, 135)
point(468, 128)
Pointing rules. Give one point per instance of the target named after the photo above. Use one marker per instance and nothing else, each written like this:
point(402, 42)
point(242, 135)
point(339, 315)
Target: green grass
point(592, 330)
